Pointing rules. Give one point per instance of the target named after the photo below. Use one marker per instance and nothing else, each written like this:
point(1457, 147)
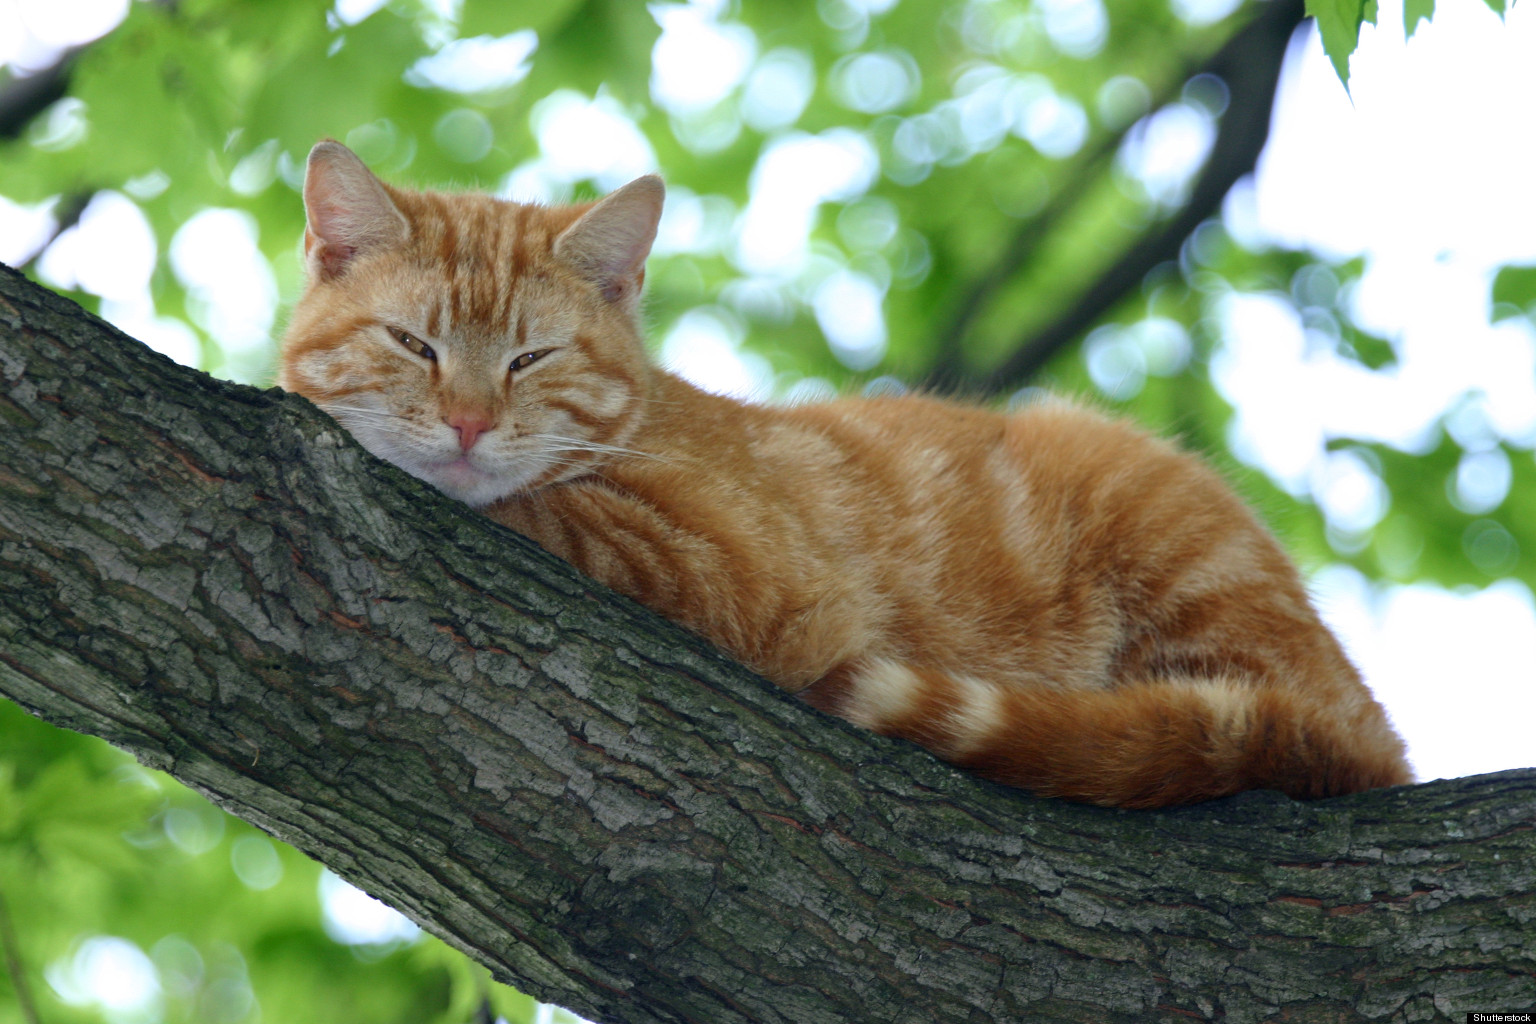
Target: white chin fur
point(464, 483)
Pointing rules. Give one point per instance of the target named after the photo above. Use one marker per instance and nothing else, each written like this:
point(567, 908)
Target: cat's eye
point(413, 343)
point(529, 357)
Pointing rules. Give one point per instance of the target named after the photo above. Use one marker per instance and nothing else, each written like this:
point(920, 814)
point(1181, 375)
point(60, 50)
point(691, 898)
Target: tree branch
point(612, 816)
point(1249, 63)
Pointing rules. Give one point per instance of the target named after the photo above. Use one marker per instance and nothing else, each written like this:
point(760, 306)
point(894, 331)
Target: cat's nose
point(470, 426)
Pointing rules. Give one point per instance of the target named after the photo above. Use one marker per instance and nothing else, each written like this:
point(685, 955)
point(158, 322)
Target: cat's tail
point(1150, 744)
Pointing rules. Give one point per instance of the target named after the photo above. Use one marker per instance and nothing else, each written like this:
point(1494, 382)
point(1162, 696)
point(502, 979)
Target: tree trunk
point(614, 817)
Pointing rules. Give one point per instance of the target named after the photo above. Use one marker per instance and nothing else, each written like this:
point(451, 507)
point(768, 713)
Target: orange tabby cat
point(1047, 597)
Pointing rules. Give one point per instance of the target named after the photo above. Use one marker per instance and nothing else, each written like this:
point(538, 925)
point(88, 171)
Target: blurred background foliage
point(984, 197)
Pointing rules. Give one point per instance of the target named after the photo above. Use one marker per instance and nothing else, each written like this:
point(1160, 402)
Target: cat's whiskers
point(576, 444)
point(651, 400)
point(362, 410)
point(566, 463)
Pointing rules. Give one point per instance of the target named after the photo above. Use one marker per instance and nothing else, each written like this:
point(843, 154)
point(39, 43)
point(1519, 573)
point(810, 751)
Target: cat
point(1050, 597)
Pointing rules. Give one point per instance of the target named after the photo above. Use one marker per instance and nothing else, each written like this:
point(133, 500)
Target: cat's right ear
point(348, 210)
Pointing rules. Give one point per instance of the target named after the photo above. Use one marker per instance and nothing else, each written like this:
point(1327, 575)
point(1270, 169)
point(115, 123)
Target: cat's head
point(487, 347)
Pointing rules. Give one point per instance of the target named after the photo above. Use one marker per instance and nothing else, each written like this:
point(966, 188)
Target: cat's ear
point(349, 212)
point(609, 243)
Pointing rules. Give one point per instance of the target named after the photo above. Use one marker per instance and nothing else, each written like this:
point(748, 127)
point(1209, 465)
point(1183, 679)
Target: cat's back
point(1050, 459)
point(911, 478)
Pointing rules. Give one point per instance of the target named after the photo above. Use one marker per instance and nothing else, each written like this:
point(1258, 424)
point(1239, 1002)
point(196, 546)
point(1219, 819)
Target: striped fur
point(1050, 598)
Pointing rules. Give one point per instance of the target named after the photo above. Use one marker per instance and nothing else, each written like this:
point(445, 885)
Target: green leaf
point(1369, 351)
point(1516, 286)
point(1498, 7)
point(1339, 21)
point(1415, 11)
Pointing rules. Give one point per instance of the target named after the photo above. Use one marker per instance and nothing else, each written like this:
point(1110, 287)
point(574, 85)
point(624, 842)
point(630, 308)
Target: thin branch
point(66, 215)
point(949, 360)
point(22, 99)
point(1250, 65)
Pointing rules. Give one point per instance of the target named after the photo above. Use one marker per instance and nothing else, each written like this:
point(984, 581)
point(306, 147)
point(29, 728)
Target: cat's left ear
point(609, 243)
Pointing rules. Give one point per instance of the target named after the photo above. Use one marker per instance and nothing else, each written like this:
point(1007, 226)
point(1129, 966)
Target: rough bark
point(612, 816)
